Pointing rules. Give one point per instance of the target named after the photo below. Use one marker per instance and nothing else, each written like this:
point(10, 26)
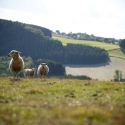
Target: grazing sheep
point(29, 72)
point(43, 70)
point(16, 63)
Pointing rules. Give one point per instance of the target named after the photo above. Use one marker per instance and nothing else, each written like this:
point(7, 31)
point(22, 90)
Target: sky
point(104, 18)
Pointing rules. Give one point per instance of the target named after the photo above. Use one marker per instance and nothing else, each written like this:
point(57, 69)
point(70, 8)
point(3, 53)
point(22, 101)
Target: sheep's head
point(13, 53)
point(43, 65)
point(34, 69)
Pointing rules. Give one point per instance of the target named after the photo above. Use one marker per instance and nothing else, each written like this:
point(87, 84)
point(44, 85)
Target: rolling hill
point(29, 38)
point(113, 50)
point(104, 71)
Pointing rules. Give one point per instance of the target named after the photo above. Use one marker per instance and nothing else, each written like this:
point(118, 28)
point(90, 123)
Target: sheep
point(16, 64)
point(43, 70)
point(29, 72)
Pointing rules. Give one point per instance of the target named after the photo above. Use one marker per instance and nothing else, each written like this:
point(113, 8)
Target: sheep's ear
point(19, 52)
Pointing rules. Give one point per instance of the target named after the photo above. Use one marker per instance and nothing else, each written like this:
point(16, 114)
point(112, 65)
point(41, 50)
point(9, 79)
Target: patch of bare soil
point(105, 71)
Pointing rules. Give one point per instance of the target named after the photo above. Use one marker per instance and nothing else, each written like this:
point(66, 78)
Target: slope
point(57, 101)
point(113, 50)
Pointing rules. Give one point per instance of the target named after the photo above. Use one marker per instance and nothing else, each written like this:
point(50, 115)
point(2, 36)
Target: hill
point(61, 102)
point(113, 49)
point(36, 42)
point(102, 45)
point(102, 71)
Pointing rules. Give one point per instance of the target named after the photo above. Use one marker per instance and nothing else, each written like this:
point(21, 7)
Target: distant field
point(86, 42)
point(116, 53)
point(104, 71)
point(113, 50)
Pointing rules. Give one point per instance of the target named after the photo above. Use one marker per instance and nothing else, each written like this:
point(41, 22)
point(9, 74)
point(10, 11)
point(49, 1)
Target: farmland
point(104, 71)
point(113, 50)
point(100, 71)
point(54, 101)
point(116, 53)
point(86, 42)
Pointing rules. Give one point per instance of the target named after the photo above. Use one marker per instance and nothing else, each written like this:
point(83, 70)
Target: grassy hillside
point(55, 101)
point(86, 42)
point(116, 53)
point(113, 50)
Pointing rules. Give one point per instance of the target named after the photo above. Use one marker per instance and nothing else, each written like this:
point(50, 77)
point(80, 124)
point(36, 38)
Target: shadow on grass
point(89, 65)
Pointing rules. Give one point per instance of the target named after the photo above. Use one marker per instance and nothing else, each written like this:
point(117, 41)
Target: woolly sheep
point(29, 72)
point(43, 70)
point(16, 64)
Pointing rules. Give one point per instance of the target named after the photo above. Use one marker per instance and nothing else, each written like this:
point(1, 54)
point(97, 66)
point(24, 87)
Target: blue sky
point(105, 18)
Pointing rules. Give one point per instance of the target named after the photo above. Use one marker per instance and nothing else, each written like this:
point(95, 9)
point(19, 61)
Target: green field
point(116, 53)
point(113, 50)
point(55, 101)
point(85, 42)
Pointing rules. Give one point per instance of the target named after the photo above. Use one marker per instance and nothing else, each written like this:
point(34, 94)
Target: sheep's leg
point(17, 76)
point(41, 76)
point(13, 76)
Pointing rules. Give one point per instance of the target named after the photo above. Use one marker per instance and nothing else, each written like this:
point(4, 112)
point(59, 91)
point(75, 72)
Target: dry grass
point(105, 71)
point(55, 101)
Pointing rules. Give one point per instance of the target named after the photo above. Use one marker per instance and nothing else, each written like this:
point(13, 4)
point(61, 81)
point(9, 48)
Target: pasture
point(55, 101)
point(102, 45)
point(116, 53)
point(113, 50)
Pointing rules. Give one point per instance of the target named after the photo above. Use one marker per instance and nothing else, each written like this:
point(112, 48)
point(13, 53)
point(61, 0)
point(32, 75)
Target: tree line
point(36, 42)
point(85, 36)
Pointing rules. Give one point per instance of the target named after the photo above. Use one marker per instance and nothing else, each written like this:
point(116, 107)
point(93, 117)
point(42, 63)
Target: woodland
point(37, 42)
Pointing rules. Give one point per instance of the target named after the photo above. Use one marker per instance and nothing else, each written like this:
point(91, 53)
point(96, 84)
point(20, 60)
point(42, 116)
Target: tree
point(122, 43)
point(32, 42)
point(57, 31)
point(118, 75)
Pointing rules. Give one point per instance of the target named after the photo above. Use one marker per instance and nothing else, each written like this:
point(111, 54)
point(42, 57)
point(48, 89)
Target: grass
point(105, 46)
point(55, 101)
point(113, 50)
point(116, 53)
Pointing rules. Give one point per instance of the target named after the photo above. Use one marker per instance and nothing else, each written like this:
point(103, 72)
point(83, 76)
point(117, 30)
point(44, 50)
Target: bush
point(118, 75)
